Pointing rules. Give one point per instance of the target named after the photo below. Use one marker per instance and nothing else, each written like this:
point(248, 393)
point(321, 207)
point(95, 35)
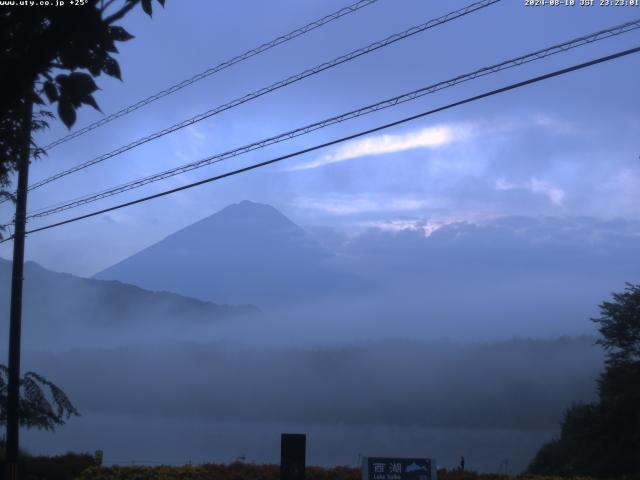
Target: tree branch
point(122, 12)
point(104, 6)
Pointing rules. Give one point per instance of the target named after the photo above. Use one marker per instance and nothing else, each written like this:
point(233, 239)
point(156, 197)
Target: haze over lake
point(406, 343)
point(413, 280)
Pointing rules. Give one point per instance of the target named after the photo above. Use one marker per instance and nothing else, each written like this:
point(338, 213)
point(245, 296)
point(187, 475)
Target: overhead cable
point(212, 70)
point(344, 139)
point(275, 86)
point(406, 97)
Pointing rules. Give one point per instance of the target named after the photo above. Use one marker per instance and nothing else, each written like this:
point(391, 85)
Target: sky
point(567, 147)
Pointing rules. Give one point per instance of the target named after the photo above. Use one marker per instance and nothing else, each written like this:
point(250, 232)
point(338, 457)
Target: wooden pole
point(15, 322)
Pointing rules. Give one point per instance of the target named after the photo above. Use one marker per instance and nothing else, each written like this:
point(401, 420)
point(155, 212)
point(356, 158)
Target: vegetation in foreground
point(39, 467)
point(239, 471)
point(82, 467)
point(597, 440)
point(603, 438)
point(42, 404)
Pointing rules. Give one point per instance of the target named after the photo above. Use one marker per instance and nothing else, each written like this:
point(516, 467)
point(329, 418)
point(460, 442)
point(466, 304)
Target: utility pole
point(15, 322)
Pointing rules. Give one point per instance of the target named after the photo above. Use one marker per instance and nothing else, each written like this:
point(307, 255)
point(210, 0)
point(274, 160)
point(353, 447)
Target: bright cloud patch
point(430, 137)
point(554, 194)
point(355, 204)
point(427, 227)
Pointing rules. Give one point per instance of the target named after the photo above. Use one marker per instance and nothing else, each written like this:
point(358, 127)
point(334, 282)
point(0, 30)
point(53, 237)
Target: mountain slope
point(246, 253)
point(497, 278)
point(62, 309)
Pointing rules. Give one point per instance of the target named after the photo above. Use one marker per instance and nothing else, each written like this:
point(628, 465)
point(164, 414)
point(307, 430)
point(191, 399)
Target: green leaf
point(94, 69)
point(109, 46)
point(146, 6)
point(51, 91)
point(76, 89)
point(37, 99)
point(62, 79)
point(120, 34)
point(112, 68)
point(66, 112)
point(83, 82)
point(89, 100)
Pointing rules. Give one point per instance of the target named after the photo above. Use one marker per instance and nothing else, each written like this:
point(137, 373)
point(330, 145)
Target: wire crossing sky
point(524, 59)
point(459, 13)
point(498, 91)
point(562, 150)
point(218, 68)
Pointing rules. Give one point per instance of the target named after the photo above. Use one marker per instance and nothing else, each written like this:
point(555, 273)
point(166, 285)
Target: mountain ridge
point(60, 306)
point(245, 253)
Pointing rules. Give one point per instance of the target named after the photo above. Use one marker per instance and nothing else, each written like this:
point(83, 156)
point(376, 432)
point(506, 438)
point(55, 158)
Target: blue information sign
point(388, 468)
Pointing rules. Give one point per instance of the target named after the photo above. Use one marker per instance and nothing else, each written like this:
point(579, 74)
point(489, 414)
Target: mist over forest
point(437, 340)
point(218, 400)
point(404, 229)
point(517, 384)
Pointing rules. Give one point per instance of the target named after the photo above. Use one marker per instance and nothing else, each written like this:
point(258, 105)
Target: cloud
point(430, 137)
point(355, 204)
point(191, 145)
point(555, 124)
point(627, 182)
point(554, 194)
point(398, 225)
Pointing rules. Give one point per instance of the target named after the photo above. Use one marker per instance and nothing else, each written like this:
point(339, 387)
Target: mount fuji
point(247, 253)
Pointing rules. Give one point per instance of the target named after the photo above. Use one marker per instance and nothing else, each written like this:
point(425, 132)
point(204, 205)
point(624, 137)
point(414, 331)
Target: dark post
point(292, 456)
point(13, 391)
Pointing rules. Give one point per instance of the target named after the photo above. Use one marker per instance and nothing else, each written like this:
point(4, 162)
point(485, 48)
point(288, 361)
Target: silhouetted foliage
point(603, 438)
point(244, 471)
point(620, 327)
point(59, 467)
point(37, 409)
point(51, 54)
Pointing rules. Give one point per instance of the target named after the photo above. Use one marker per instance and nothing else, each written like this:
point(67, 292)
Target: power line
point(212, 70)
point(344, 139)
point(275, 86)
point(524, 59)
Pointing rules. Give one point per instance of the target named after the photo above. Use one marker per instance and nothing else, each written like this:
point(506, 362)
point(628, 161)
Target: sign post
point(390, 468)
point(292, 456)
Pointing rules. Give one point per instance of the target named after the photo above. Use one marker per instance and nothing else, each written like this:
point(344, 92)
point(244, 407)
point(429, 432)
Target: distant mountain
point(59, 308)
point(492, 279)
point(499, 277)
point(246, 253)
